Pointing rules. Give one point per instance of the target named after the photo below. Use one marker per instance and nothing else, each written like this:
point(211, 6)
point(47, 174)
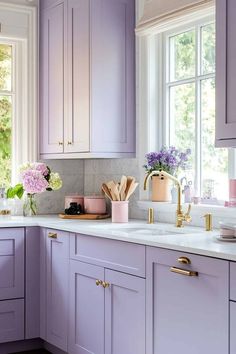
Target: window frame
point(150, 57)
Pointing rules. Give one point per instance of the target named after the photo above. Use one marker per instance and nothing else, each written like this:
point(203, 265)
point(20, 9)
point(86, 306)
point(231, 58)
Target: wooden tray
point(85, 216)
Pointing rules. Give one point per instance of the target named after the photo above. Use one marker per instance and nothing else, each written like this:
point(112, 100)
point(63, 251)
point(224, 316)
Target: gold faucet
point(180, 216)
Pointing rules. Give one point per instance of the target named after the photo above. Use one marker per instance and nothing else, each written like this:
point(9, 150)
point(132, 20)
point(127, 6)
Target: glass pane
point(182, 56)
point(182, 119)
point(208, 49)
point(5, 67)
point(214, 161)
point(5, 140)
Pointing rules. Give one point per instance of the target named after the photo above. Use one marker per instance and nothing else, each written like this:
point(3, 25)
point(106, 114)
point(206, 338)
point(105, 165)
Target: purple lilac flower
point(34, 182)
point(167, 159)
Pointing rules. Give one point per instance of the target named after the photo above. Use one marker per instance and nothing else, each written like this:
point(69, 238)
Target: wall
point(72, 174)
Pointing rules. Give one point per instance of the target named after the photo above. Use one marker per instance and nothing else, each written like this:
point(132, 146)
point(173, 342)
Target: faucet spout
point(180, 216)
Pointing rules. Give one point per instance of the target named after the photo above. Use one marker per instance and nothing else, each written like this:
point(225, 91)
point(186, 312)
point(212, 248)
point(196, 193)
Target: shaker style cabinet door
point(57, 258)
point(112, 76)
point(77, 119)
point(11, 263)
point(186, 313)
point(124, 313)
point(86, 318)
point(225, 73)
point(51, 75)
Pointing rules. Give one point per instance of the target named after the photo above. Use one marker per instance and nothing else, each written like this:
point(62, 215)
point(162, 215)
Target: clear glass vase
point(30, 206)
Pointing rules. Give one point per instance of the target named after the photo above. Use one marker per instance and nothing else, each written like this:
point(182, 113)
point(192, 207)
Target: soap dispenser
point(4, 205)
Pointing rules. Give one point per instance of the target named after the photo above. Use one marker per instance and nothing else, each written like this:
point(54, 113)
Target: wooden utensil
point(131, 190)
point(130, 183)
point(113, 189)
point(123, 184)
point(106, 191)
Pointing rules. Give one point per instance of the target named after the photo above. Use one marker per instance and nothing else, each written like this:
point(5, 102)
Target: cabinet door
point(124, 314)
point(232, 327)
point(51, 76)
point(225, 73)
point(11, 320)
point(186, 313)
point(112, 76)
point(57, 287)
point(11, 263)
point(78, 66)
point(86, 319)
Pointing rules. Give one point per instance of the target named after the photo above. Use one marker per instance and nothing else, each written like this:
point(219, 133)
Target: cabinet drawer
point(233, 281)
point(123, 256)
point(11, 320)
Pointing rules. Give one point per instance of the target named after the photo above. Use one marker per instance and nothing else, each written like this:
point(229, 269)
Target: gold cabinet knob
point(60, 143)
point(105, 284)
point(184, 260)
point(52, 235)
point(69, 143)
point(98, 282)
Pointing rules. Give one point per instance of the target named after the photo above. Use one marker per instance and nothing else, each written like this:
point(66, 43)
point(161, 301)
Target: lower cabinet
point(11, 320)
point(107, 311)
point(232, 327)
point(187, 303)
point(57, 287)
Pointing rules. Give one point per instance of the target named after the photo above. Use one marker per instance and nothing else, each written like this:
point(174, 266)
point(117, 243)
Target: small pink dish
point(95, 204)
point(79, 199)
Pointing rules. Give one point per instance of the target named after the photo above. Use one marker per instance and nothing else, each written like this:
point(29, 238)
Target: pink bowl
point(79, 199)
point(94, 205)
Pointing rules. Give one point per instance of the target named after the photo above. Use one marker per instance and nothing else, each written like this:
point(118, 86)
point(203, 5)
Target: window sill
point(197, 210)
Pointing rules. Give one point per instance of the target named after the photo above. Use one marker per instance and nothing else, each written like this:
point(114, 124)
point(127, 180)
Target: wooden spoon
point(106, 191)
point(131, 190)
point(130, 180)
point(113, 189)
point(122, 188)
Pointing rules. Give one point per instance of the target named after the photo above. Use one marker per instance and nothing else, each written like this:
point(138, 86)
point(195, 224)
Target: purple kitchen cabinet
point(77, 121)
point(232, 327)
point(57, 270)
point(112, 76)
point(11, 320)
point(32, 283)
point(186, 313)
point(86, 319)
point(124, 314)
point(225, 73)
point(11, 263)
point(51, 75)
point(43, 283)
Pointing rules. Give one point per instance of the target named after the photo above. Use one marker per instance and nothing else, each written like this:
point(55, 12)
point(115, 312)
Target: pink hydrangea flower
point(34, 182)
point(41, 167)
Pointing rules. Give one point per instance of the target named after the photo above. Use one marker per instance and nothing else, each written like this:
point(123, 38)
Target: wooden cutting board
point(85, 216)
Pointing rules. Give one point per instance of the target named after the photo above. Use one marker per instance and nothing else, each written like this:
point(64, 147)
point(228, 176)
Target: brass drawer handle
point(60, 143)
point(105, 284)
point(184, 260)
point(52, 235)
point(188, 273)
point(99, 282)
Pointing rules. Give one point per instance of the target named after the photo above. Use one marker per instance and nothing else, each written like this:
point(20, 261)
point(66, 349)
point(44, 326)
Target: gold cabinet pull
point(105, 284)
point(99, 282)
point(60, 143)
point(52, 235)
point(184, 260)
point(69, 143)
point(188, 273)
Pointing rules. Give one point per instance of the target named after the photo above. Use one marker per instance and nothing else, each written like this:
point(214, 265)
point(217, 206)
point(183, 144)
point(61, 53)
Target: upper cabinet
point(225, 73)
point(87, 78)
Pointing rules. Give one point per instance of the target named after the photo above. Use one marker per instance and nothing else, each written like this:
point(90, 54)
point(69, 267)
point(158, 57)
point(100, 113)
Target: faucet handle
point(187, 216)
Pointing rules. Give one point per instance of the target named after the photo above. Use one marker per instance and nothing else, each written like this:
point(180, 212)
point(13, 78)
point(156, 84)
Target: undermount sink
point(142, 229)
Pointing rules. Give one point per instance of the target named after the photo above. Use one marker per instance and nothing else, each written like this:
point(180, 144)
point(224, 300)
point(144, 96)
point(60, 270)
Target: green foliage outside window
point(5, 114)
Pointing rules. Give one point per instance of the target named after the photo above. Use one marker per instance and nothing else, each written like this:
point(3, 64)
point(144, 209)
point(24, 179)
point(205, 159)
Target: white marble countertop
point(187, 239)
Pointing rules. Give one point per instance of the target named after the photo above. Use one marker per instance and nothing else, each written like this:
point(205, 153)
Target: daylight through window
point(190, 107)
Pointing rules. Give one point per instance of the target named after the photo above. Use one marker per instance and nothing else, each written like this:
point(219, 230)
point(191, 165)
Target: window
point(7, 100)
point(189, 106)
